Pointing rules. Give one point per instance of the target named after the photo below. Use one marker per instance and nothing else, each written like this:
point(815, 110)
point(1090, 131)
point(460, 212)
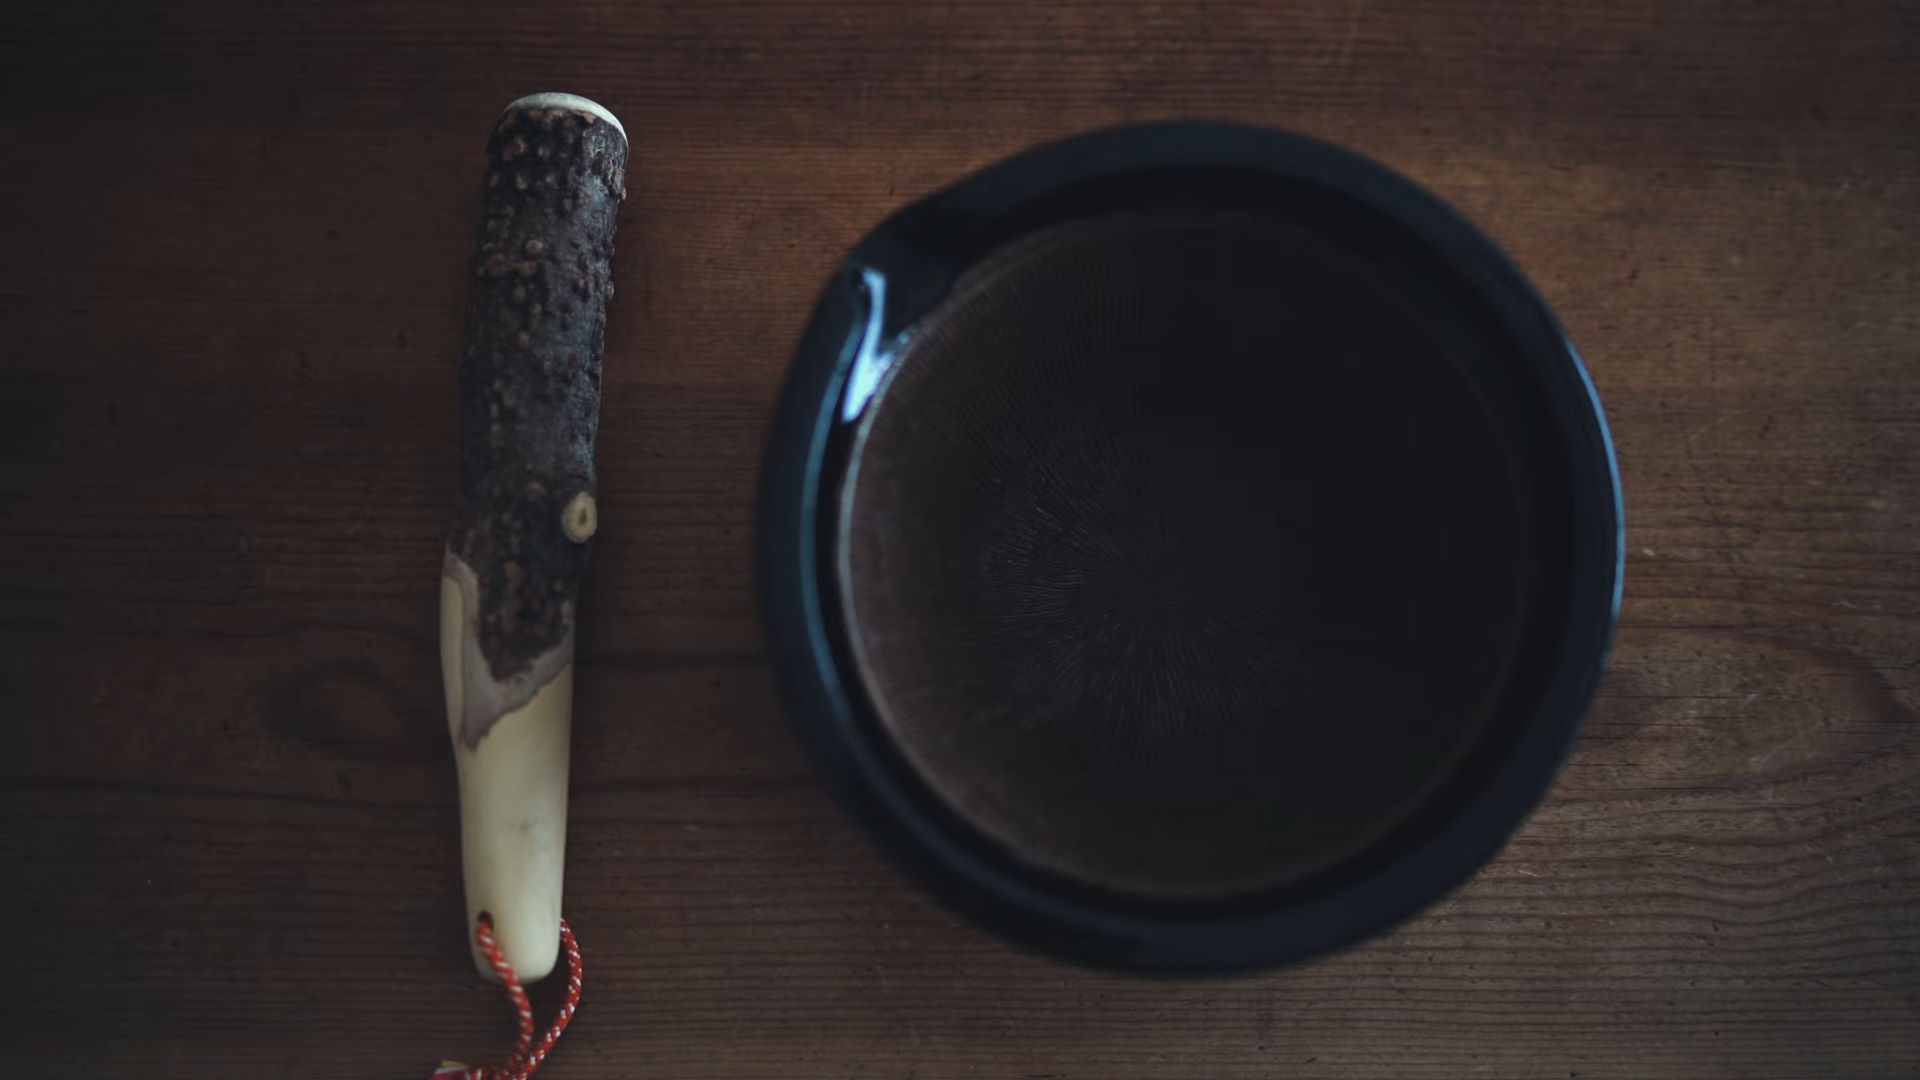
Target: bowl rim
point(897, 273)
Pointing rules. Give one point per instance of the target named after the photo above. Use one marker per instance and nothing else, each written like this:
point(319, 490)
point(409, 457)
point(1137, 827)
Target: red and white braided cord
point(526, 1056)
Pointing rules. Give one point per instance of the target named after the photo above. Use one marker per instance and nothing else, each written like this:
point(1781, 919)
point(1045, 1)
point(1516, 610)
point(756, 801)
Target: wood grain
point(230, 301)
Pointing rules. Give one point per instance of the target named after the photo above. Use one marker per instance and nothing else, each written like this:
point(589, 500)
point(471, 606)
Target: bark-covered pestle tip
point(542, 273)
point(553, 99)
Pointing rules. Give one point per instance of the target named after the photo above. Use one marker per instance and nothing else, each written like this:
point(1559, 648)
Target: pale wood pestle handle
point(529, 409)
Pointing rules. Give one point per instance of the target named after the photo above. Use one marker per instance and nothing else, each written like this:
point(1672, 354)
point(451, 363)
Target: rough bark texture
point(530, 371)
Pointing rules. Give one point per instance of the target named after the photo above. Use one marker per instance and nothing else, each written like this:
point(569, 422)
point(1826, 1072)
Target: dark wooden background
point(231, 248)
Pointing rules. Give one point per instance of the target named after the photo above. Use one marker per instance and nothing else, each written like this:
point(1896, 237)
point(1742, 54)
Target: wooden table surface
point(230, 298)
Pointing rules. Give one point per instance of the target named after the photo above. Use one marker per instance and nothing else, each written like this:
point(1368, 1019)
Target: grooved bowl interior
point(1185, 554)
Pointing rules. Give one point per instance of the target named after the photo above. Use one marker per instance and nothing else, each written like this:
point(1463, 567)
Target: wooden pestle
point(529, 408)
